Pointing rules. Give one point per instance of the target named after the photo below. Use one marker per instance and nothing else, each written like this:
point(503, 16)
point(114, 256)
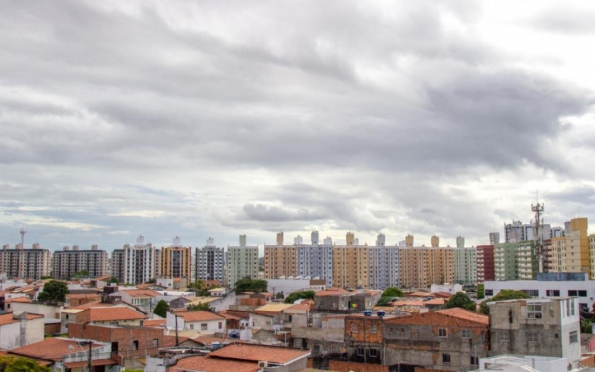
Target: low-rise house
point(77, 299)
point(218, 292)
point(61, 354)
point(364, 338)
point(200, 321)
point(145, 299)
point(20, 329)
point(333, 299)
point(320, 333)
point(270, 317)
point(6, 297)
point(450, 340)
point(539, 326)
point(116, 315)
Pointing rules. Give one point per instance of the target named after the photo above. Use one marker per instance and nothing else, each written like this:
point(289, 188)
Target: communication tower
point(538, 237)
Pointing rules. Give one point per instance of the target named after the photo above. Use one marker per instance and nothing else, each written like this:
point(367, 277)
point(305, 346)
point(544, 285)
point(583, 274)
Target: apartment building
point(280, 260)
point(315, 260)
point(527, 262)
point(384, 264)
point(25, 263)
point(485, 263)
point(175, 261)
point(242, 261)
point(134, 264)
point(505, 265)
point(465, 265)
point(66, 263)
point(210, 262)
point(571, 252)
point(351, 264)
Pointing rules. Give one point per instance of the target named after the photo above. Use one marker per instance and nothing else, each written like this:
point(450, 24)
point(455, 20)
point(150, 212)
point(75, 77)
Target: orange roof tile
point(333, 292)
point(466, 314)
point(8, 318)
point(82, 295)
point(409, 303)
point(298, 307)
point(51, 349)
point(201, 363)
point(102, 314)
point(421, 294)
point(197, 316)
point(23, 299)
point(436, 301)
point(91, 304)
point(154, 322)
point(141, 293)
point(251, 352)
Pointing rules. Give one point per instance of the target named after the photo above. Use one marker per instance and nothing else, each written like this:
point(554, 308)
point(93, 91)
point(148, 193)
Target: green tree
point(251, 285)
point(161, 309)
point(14, 364)
point(114, 280)
point(53, 292)
point(199, 307)
point(480, 291)
point(82, 274)
point(279, 295)
point(151, 281)
point(507, 294)
point(299, 295)
point(460, 299)
point(392, 292)
point(586, 326)
point(384, 301)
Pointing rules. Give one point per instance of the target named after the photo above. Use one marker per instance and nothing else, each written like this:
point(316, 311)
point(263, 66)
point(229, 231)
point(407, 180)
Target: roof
point(154, 322)
point(198, 316)
point(24, 299)
point(409, 303)
point(8, 318)
point(141, 293)
point(436, 301)
point(299, 308)
point(333, 292)
point(102, 314)
point(82, 295)
point(51, 349)
point(89, 305)
point(96, 362)
point(201, 300)
point(201, 363)
point(273, 308)
point(255, 353)
point(421, 294)
point(457, 312)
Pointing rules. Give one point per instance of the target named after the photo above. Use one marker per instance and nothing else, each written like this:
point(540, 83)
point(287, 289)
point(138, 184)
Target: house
point(539, 326)
point(200, 321)
point(270, 317)
point(323, 334)
point(120, 315)
point(218, 292)
point(364, 337)
point(450, 340)
point(62, 354)
point(20, 329)
point(333, 299)
point(145, 299)
point(77, 299)
point(280, 359)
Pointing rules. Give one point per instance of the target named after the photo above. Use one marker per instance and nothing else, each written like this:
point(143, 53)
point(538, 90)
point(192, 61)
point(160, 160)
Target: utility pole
point(177, 340)
point(90, 356)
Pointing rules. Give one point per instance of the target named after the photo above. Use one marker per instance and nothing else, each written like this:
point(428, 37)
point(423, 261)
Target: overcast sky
point(217, 118)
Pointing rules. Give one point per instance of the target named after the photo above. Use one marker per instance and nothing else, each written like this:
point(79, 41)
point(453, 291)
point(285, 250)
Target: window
point(191, 326)
point(552, 293)
point(316, 349)
point(373, 353)
point(466, 333)
point(534, 310)
point(572, 292)
point(360, 351)
point(532, 292)
point(582, 293)
point(442, 332)
point(203, 326)
point(488, 292)
point(504, 336)
point(135, 345)
point(354, 328)
point(531, 337)
point(373, 328)
point(114, 347)
point(155, 342)
point(220, 325)
point(474, 361)
point(573, 337)
point(445, 358)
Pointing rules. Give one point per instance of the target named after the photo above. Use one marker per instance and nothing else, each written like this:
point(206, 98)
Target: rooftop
point(333, 292)
point(255, 353)
point(466, 314)
point(103, 314)
point(9, 319)
point(197, 316)
point(51, 349)
point(273, 308)
point(201, 363)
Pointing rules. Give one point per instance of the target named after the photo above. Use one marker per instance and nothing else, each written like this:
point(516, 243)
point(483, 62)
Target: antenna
point(23, 231)
point(538, 236)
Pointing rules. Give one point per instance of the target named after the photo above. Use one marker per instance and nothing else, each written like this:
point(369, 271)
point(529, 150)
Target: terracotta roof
point(421, 294)
point(89, 305)
point(409, 303)
point(102, 314)
point(83, 295)
point(255, 353)
point(197, 316)
point(96, 362)
point(436, 301)
point(201, 363)
point(230, 317)
point(8, 318)
point(104, 277)
point(466, 314)
point(51, 349)
point(443, 294)
point(273, 308)
point(333, 292)
point(23, 299)
point(141, 293)
point(239, 313)
point(154, 322)
point(299, 307)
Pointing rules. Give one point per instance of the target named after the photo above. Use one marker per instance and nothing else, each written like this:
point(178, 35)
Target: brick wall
point(363, 329)
point(341, 366)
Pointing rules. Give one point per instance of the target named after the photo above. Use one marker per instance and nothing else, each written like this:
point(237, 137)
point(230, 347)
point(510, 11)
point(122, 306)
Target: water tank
point(381, 313)
point(368, 312)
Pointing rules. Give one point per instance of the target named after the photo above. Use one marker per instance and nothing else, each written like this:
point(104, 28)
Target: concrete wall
point(47, 311)
point(21, 333)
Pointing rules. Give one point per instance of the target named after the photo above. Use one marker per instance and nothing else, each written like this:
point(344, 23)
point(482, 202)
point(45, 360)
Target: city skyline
point(205, 120)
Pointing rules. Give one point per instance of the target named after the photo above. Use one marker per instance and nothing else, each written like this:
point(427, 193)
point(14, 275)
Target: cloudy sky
point(214, 118)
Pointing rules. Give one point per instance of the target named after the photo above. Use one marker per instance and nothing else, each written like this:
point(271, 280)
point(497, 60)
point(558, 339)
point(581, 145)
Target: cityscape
point(297, 186)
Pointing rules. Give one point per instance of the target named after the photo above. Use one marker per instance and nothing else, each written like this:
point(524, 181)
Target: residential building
point(288, 285)
point(210, 262)
point(527, 264)
point(200, 321)
point(66, 263)
point(144, 299)
point(280, 260)
point(175, 261)
point(384, 265)
point(351, 264)
point(25, 263)
point(121, 315)
point(134, 264)
point(570, 253)
point(465, 264)
point(364, 338)
point(546, 327)
point(458, 338)
point(420, 267)
point(242, 262)
point(505, 264)
point(485, 263)
point(494, 238)
point(20, 329)
point(315, 260)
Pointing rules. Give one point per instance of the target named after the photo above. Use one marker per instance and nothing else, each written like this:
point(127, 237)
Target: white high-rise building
point(210, 262)
point(135, 264)
point(315, 260)
point(465, 262)
point(384, 264)
point(242, 261)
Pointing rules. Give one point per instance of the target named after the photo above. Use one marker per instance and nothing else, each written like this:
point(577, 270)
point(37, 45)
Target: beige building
point(420, 267)
point(280, 260)
point(175, 261)
point(351, 264)
point(25, 263)
point(571, 253)
point(66, 263)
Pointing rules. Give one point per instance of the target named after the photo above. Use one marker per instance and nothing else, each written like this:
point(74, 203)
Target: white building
point(315, 260)
point(66, 263)
point(242, 261)
point(288, 285)
point(201, 321)
point(210, 262)
point(20, 329)
point(465, 264)
point(136, 264)
point(384, 264)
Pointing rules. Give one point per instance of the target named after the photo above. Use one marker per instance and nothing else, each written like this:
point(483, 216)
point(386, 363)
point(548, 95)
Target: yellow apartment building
point(571, 253)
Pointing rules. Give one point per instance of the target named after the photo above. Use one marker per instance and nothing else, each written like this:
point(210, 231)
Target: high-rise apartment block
point(25, 263)
point(315, 260)
point(280, 260)
point(175, 261)
point(384, 264)
point(134, 264)
point(210, 262)
point(351, 264)
point(242, 262)
point(571, 253)
point(485, 262)
point(465, 265)
point(66, 263)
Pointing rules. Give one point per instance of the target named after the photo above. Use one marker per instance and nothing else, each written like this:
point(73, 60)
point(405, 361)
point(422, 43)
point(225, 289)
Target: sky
point(206, 119)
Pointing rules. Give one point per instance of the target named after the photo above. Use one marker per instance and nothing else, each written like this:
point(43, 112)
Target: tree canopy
point(461, 300)
point(54, 291)
point(14, 364)
point(480, 291)
point(507, 294)
point(392, 292)
point(82, 274)
point(199, 307)
point(384, 301)
point(294, 296)
point(161, 309)
point(251, 285)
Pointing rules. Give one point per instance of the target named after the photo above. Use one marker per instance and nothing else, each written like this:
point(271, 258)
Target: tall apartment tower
point(280, 260)
point(175, 261)
point(210, 262)
point(315, 260)
point(25, 263)
point(494, 238)
point(384, 264)
point(434, 241)
point(485, 263)
point(409, 240)
point(570, 253)
point(242, 262)
point(134, 264)
point(66, 263)
point(465, 265)
point(460, 242)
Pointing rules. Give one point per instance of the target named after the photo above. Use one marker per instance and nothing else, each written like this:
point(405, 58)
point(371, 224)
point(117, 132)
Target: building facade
point(465, 265)
point(242, 262)
point(134, 264)
point(280, 260)
point(210, 262)
point(384, 265)
point(25, 263)
point(175, 261)
point(485, 263)
point(571, 253)
point(66, 263)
